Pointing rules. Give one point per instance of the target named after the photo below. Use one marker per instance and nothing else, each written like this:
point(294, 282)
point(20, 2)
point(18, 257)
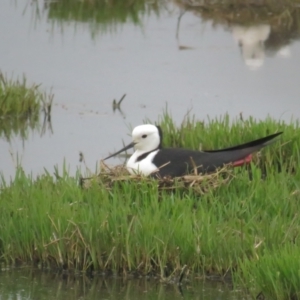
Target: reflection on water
point(179, 53)
point(27, 284)
point(252, 23)
point(102, 16)
point(258, 27)
point(19, 126)
point(251, 40)
point(13, 127)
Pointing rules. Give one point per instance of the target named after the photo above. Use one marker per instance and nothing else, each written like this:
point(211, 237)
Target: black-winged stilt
point(150, 158)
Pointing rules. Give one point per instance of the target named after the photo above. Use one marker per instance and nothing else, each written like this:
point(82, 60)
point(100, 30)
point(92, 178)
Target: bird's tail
point(256, 144)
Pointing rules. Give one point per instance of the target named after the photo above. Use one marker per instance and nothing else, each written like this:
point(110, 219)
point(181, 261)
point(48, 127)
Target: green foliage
point(16, 98)
point(249, 227)
point(20, 107)
point(101, 15)
point(276, 273)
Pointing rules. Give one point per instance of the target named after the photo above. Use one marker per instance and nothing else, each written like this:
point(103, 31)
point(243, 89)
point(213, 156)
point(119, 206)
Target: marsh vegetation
point(21, 105)
point(246, 228)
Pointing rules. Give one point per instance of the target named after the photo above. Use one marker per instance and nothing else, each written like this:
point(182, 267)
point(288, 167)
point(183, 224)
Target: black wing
point(177, 162)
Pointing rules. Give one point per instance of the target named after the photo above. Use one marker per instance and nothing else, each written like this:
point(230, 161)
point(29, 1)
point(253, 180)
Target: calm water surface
point(207, 66)
point(29, 284)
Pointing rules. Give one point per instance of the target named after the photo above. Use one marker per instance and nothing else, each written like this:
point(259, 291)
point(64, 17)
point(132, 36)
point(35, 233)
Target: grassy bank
point(249, 225)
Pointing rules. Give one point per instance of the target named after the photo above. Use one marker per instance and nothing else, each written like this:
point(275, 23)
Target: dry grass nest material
point(200, 183)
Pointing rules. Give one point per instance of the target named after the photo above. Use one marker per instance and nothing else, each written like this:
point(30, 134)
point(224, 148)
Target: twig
point(117, 105)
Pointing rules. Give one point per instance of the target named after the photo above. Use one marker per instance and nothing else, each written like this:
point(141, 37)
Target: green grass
point(222, 132)
point(276, 273)
point(249, 227)
point(102, 16)
point(20, 107)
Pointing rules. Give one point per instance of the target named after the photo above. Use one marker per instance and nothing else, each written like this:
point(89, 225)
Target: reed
point(275, 274)
point(135, 227)
point(102, 16)
point(20, 106)
point(17, 98)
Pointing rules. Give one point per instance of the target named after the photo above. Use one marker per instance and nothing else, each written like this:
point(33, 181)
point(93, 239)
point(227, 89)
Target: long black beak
point(131, 145)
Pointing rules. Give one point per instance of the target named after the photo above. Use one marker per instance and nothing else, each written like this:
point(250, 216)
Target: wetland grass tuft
point(102, 16)
point(248, 227)
point(20, 106)
point(275, 274)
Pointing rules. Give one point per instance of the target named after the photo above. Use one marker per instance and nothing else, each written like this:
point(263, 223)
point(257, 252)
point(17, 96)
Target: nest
point(200, 183)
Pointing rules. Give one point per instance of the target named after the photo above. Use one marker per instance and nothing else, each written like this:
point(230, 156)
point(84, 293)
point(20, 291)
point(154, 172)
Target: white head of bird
point(146, 138)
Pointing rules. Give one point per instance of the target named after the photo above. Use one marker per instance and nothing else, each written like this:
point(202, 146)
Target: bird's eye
point(144, 136)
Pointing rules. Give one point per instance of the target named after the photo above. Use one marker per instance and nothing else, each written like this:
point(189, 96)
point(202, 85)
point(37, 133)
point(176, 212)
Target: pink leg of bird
point(242, 162)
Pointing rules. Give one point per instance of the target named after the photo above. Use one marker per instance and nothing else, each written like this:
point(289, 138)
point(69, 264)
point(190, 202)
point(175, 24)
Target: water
point(204, 66)
point(31, 284)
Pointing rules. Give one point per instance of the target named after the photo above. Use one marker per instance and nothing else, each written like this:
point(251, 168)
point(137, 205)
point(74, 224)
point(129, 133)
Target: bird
point(150, 158)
